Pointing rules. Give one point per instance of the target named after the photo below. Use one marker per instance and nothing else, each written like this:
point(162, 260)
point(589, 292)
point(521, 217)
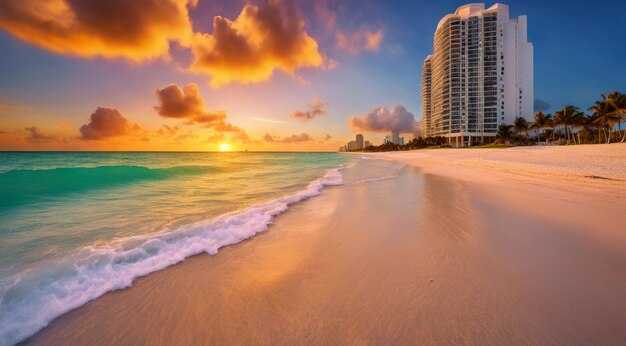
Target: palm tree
point(567, 117)
point(521, 126)
point(505, 133)
point(582, 121)
point(618, 103)
point(605, 116)
point(542, 121)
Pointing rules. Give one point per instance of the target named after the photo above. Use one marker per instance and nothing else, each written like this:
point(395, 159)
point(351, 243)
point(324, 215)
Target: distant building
point(394, 138)
point(357, 144)
point(479, 76)
point(368, 144)
point(359, 141)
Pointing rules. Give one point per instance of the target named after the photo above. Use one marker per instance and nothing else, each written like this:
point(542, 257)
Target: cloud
point(183, 136)
point(187, 104)
point(106, 123)
point(303, 137)
point(135, 30)
point(215, 138)
point(167, 131)
point(330, 64)
point(328, 137)
point(325, 15)
point(241, 136)
point(373, 40)
point(16, 106)
point(263, 38)
point(269, 138)
point(363, 38)
point(226, 127)
point(39, 136)
point(541, 105)
point(381, 119)
point(315, 108)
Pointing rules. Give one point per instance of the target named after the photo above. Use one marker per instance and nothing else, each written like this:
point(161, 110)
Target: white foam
point(28, 302)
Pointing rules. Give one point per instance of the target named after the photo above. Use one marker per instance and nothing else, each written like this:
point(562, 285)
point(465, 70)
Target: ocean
point(75, 225)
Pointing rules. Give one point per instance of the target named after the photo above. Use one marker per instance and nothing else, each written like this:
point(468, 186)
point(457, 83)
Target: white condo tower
point(479, 76)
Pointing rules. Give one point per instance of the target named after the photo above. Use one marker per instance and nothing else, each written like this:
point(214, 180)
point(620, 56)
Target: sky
point(264, 75)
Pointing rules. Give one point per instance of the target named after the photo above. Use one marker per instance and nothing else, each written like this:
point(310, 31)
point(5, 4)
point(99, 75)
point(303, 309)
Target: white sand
point(590, 165)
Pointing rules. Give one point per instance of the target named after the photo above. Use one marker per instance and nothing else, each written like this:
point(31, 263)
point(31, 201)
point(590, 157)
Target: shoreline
point(516, 259)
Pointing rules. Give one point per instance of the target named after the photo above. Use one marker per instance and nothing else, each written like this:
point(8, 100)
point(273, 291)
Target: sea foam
point(31, 300)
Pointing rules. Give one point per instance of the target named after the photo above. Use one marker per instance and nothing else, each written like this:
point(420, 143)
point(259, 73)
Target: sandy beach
point(519, 246)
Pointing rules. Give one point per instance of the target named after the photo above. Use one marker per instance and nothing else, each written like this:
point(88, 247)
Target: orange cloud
point(187, 104)
point(39, 136)
point(215, 138)
point(184, 136)
point(315, 108)
point(105, 123)
point(263, 38)
point(136, 30)
point(358, 40)
point(241, 136)
point(225, 127)
point(373, 40)
point(167, 131)
point(303, 137)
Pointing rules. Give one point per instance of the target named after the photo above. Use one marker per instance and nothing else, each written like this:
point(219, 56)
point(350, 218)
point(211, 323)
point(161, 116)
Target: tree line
point(567, 126)
point(570, 125)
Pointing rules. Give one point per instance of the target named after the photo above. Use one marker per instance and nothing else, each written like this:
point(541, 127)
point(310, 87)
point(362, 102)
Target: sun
point(224, 147)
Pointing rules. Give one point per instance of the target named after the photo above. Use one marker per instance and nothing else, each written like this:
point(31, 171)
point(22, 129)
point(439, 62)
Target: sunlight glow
point(224, 147)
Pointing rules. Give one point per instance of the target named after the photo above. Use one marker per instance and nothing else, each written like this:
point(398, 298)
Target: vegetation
point(568, 126)
point(571, 126)
point(415, 143)
point(505, 134)
point(541, 122)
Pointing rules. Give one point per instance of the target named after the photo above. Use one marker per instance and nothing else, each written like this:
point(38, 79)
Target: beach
point(511, 246)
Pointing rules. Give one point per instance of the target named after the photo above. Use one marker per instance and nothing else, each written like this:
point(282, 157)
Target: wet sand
point(425, 258)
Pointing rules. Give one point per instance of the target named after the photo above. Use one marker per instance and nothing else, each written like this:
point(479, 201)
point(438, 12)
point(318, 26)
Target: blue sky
point(579, 53)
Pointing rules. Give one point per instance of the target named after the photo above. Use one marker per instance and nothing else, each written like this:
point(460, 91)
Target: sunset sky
point(259, 75)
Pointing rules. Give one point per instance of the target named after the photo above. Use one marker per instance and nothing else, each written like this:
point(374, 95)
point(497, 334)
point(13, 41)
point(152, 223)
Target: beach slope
point(443, 252)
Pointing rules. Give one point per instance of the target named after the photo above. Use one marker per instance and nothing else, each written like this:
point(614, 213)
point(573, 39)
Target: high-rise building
point(394, 138)
point(359, 141)
point(426, 92)
point(479, 76)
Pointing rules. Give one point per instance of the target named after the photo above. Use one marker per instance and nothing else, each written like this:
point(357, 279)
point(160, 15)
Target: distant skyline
point(277, 75)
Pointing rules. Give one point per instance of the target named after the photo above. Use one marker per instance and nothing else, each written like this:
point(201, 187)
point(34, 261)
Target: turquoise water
point(75, 225)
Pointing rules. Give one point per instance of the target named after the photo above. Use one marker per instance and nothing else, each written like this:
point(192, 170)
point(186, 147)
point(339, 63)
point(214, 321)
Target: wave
point(19, 187)
point(31, 300)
